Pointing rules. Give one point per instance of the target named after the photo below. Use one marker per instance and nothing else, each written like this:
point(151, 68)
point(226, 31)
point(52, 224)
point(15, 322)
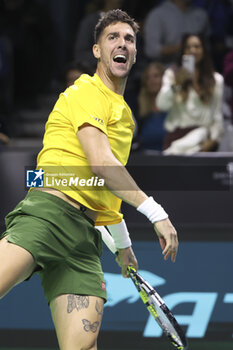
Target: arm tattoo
point(98, 308)
point(77, 302)
point(88, 326)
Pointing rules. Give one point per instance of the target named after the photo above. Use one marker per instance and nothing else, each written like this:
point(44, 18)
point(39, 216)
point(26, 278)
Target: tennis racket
point(158, 309)
point(152, 300)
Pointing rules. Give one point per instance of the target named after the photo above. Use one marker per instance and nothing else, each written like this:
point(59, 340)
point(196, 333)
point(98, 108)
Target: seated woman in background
point(192, 96)
point(151, 120)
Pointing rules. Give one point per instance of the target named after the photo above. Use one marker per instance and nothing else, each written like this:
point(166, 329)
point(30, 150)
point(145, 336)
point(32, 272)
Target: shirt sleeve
point(87, 105)
point(152, 35)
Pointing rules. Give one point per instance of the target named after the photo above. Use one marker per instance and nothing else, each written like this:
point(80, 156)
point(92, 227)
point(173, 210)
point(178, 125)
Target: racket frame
point(151, 298)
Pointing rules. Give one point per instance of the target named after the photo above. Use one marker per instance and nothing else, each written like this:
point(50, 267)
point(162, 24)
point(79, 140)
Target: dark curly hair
point(114, 16)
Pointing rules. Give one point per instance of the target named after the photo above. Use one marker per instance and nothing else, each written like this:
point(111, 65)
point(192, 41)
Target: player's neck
point(115, 84)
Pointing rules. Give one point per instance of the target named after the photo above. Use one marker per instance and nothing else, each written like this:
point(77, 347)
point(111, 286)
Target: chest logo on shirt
point(99, 120)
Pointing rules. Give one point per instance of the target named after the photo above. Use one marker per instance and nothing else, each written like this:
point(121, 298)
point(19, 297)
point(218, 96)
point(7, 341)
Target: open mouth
point(120, 59)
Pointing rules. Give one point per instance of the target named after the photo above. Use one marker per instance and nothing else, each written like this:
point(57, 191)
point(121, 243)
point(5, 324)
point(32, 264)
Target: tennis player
point(52, 231)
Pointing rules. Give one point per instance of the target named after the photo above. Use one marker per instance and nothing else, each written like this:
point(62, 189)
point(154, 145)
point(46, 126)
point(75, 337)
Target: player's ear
point(96, 51)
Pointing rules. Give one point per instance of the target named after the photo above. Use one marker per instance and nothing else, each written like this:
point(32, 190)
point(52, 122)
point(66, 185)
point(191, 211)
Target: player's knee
point(6, 283)
point(3, 291)
point(86, 346)
point(89, 346)
point(80, 344)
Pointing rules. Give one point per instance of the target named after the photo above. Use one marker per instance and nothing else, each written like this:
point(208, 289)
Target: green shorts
point(63, 241)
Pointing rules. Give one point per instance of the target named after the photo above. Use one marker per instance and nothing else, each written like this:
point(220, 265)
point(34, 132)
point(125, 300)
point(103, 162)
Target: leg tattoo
point(98, 308)
point(90, 327)
point(77, 302)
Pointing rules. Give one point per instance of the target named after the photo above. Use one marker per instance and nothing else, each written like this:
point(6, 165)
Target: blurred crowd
point(180, 90)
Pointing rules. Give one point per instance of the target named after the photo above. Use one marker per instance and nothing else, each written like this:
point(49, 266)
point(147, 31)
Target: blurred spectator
point(74, 70)
point(220, 15)
point(65, 17)
point(152, 131)
point(166, 24)
point(6, 76)
point(85, 38)
point(228, 75)
point(27, 26)
point(4, 138)
point(6, 89)
point(193, 101)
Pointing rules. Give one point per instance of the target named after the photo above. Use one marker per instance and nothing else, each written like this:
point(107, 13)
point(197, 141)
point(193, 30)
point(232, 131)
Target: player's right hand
point(126, 257)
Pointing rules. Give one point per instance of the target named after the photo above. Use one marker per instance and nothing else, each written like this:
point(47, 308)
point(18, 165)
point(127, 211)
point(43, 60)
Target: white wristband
point(120, 234)
point(152, 210)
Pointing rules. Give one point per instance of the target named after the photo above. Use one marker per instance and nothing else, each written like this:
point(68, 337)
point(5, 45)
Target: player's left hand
point(125, 258)
point(167, 238)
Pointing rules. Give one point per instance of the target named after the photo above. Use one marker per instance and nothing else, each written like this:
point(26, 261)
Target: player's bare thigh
point(77, 320)
point(16, 265)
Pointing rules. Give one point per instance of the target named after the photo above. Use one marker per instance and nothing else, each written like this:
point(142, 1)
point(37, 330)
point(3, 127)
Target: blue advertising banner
point(198, 289)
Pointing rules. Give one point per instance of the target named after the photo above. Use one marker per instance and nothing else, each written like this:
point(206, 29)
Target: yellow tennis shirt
point(62, 159)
